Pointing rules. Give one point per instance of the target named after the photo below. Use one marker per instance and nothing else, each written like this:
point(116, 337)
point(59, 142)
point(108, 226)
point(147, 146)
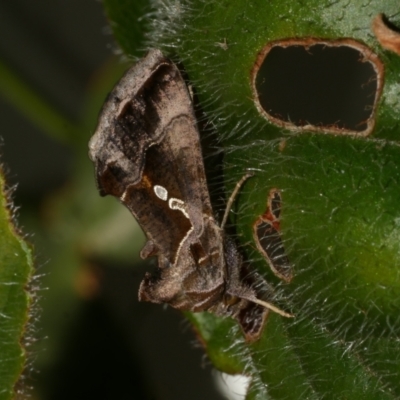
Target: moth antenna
point(233, 196)
point(271, 307)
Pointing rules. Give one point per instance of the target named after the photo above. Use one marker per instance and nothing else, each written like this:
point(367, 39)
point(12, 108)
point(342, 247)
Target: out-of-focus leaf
point(16, 268)
point(128, 22)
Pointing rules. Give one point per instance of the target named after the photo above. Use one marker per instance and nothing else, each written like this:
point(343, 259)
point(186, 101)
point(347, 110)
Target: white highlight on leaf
point(176, 204)
point(161, 192)
point(233, 387)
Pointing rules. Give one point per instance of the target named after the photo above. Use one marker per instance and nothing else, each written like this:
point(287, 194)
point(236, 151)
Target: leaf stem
point(41, 113)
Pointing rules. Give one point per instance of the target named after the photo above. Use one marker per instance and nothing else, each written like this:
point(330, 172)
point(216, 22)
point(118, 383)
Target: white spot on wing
point(176, 204)
point(161, 192)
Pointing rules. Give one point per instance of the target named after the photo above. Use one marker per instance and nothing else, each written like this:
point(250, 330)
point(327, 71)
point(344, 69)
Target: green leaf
point(128, 23)
point(16, 268)
point(340, 218)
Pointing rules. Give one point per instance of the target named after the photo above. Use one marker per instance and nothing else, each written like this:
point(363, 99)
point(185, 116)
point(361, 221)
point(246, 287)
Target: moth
point(146, 150)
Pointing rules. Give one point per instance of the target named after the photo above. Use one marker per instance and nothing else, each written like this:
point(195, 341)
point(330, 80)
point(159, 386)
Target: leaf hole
point(320, 85)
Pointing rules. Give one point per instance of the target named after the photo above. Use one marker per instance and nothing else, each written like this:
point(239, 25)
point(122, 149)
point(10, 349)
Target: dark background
point(112, 347)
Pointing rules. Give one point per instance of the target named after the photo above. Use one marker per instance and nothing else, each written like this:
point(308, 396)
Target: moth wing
point(147, 152)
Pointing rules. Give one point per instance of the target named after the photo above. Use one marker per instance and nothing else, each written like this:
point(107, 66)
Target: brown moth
point(146, 151)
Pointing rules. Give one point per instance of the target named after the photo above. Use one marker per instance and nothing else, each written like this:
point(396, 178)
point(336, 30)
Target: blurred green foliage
point(16, 268)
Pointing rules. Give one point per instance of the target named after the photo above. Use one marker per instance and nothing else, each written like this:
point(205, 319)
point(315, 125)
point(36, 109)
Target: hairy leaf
point(16, 268)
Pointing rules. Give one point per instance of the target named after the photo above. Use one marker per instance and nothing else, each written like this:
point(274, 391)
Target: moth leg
point(247, 294)
point(233, 196)
point(270, 306)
